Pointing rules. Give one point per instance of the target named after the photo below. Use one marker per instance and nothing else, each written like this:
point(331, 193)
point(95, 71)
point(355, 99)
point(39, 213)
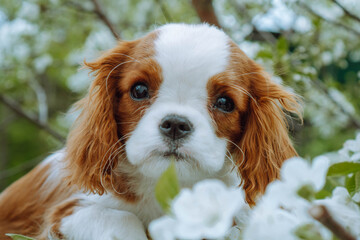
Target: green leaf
point(307, 192)
point(308, 232)
point(322, 194)
point(167, 187)
point(18, 236)
point(357, 182)
point(330, 184)
point(343, 168)
point(350, 184)
point(265, 54)
point(282, 45)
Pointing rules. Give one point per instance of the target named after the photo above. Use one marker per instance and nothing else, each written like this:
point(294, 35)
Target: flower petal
point(355, 157)
point(162, 228)
point(319, 170)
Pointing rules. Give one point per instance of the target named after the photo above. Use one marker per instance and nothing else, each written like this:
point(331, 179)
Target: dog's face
point(183, 92)
point(179, 120)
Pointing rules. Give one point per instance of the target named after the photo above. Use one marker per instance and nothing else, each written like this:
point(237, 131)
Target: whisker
point(114, 153)
point(242, 152)
point(111, 178)
point(140, 109)
point(230, 158)
point(213, 121)
point(106, 81)
point(252, 73)
point(125, 122)
point(241, 89)
point(102, 169)
point(116, 53)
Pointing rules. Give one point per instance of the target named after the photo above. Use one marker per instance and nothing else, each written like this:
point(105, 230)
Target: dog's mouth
point(174, 155)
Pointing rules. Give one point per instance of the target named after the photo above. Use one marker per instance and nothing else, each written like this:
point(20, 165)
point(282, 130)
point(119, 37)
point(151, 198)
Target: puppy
point(183, 91)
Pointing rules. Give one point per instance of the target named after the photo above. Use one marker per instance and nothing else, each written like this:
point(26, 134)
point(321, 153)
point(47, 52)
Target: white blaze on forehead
point(189, 55)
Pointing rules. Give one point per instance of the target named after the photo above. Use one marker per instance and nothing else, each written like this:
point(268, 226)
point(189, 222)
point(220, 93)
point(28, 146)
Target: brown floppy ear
point(265, 141)
point(93, 137)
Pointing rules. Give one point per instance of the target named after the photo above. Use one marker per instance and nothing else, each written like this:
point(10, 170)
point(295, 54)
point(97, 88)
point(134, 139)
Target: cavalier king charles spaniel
point(183, 92)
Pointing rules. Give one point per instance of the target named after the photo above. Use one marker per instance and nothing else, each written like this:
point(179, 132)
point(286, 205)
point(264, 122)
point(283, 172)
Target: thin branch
point(25, 166)
point(321, 214)
point(19, 111)
point(319, 85)
point(240, 9)
point(77, 7)
point(41, 98)
point(339, 24)
point(347, 12)
point(4, 149)
point(103, 18)
point(206, 12)
point(98, 12)
point(164, 11)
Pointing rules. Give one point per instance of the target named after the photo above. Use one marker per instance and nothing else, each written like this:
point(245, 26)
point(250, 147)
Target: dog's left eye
point(139, 91)
point(224, 104)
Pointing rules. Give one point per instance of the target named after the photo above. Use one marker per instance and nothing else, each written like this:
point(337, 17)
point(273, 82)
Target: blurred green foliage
point(167, 187)
point(43, 43)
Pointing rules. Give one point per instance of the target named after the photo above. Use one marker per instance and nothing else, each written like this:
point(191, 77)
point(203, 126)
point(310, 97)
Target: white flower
point(343, 210)
point(281, 210)
point(351, 149)
point(356, 197)
point(274, 219)
point(298, 172)
point(344, 155)
point(281, 195)
point(271, 223)
point(353, 145)
point(163, 228)
point(207, 211)
point(355, 157)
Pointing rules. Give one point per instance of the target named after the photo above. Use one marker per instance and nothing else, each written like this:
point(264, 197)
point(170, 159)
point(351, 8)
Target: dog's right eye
point(139, 92)
point(225, 104)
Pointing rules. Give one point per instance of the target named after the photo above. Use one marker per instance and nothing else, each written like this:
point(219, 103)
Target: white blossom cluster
point(324, 109)
point(207, 211)
point(351, 149)
point(213, 211)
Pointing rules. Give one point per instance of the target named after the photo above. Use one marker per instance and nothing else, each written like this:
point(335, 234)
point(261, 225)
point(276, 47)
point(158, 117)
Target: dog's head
point(183, 92)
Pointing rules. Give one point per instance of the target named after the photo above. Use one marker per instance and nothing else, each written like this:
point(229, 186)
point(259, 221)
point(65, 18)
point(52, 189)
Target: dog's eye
point(224, 104)
point(139, 91)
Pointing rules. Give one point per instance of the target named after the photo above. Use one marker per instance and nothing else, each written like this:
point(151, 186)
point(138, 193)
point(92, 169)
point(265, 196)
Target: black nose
point(175, 127)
